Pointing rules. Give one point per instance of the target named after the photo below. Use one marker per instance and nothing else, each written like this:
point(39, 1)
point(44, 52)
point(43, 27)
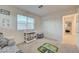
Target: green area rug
point(48, 48)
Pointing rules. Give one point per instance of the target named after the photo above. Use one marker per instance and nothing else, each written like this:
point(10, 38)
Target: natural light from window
point(24, 22)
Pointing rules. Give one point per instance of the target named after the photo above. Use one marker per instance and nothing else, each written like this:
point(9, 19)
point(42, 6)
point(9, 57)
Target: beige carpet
point(32, 46)
point(66, 48)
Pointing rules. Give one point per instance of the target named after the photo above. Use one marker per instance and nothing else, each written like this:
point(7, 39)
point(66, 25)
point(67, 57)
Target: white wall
point(52, 27)
point(78, 29)
point(52, 24)
point(13, 33)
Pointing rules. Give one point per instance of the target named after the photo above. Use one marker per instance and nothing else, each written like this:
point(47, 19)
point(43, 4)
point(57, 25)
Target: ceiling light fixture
point(40, 6)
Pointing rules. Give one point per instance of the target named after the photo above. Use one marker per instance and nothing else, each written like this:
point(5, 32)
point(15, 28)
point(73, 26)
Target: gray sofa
point(7, 45)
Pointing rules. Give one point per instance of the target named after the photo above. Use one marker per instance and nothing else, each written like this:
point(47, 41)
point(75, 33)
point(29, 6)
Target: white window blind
point(24, 22)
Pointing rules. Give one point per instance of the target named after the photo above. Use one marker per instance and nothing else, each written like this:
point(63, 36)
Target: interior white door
point(69, 37)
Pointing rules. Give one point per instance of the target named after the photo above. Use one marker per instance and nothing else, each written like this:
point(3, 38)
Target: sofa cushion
point(3, 42)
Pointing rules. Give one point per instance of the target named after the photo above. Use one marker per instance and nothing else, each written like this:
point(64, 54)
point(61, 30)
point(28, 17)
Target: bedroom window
point(30, 23)
point(24, 22)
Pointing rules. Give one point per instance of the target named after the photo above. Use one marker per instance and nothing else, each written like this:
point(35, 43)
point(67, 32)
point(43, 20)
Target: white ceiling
point(46, 9)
